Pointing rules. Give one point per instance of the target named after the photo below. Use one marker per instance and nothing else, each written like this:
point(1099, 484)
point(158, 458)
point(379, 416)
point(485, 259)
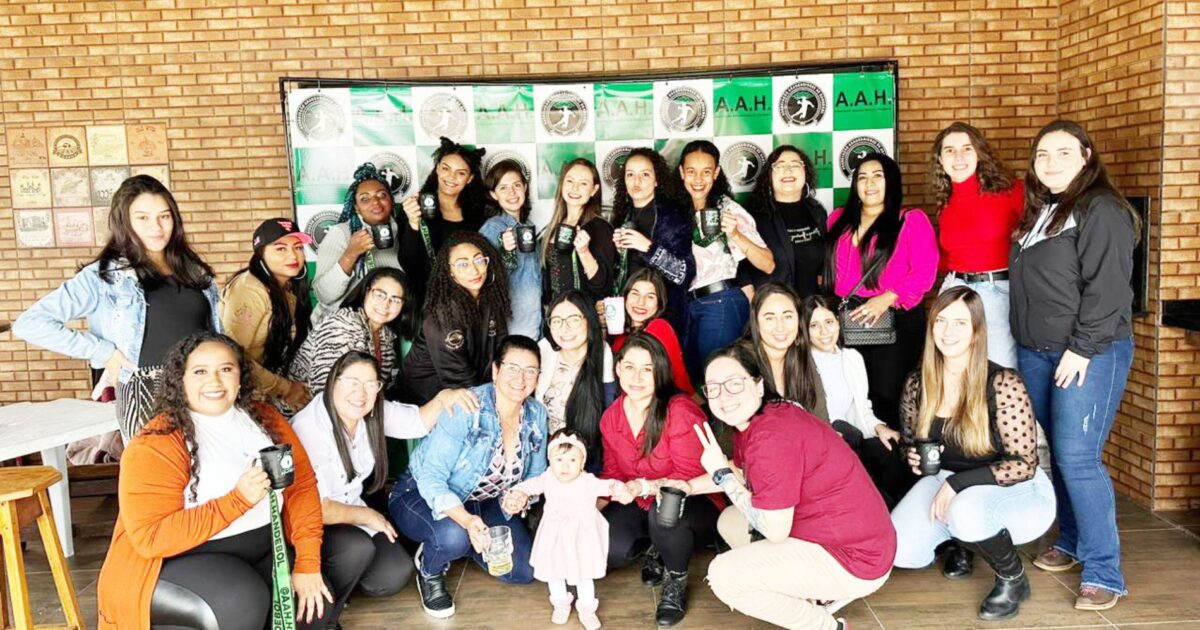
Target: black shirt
point(807, 244)
point(560, 275)
point(173, 312)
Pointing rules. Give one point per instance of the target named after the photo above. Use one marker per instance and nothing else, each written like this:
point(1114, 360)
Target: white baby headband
point(565, 438)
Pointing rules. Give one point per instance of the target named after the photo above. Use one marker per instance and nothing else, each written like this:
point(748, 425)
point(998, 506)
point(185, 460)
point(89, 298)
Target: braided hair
point(451, 304)
point(361, 174)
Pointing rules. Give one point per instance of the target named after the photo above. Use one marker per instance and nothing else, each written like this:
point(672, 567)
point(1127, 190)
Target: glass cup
point(499, 552)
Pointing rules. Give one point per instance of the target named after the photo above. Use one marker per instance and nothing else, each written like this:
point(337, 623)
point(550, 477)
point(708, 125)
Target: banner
point(834, 116)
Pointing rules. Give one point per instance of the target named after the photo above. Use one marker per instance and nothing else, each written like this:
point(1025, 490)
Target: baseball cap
point(272, 230)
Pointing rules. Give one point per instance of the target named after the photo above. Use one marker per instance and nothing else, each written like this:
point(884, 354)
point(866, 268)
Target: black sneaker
point(436, 600)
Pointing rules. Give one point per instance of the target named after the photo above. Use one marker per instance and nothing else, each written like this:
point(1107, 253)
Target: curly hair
point(667, 191)
point(451, 304)
point(473, 198)
point(994, 176)
point(762, 198)
point(366, 171)
point(720, 187)
point(171, 404)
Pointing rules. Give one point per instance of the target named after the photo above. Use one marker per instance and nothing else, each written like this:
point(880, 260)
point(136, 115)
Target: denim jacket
point(448, 464)
point(116, 315)
point(524, 280)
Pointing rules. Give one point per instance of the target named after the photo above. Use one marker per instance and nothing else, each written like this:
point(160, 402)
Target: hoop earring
point(303, 271)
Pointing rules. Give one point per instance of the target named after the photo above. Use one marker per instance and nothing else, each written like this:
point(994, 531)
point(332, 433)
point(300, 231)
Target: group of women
point(677, 360)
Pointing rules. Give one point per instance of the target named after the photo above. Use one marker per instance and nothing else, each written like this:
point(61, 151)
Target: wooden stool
point(23, 498)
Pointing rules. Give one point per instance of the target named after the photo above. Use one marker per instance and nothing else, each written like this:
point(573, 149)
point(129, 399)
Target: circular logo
point(320, 118)
point(857, 149)
point(395, 170)
point(443, 114)
point(493, 159)
point(287, 463)
point(802, 104)
point(319, 224)
point(683, 109)
point(564, 113)
point(742, 162)
point(455, 339)
point(613, 164)
point(67, 147)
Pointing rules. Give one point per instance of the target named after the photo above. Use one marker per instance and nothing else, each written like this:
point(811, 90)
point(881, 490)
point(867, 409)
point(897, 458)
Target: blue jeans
point(1025, 509)
point(1077, 421)
point(445, 541)
point(1002, 348)
point(713, 322)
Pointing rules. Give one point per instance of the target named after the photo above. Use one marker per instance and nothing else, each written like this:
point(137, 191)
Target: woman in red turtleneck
point(979, 203)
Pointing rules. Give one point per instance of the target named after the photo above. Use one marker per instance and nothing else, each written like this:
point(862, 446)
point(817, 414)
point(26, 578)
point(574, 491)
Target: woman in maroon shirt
point(650, 443)
point(979, 204)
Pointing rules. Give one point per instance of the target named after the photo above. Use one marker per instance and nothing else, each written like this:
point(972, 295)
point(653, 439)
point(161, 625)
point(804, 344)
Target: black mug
point(564, 238)
point(383, 236)
point(931, 456)
point(278, 464)
point(428, 203)
point(525, 237)
point(710, 222)
point(670, 506)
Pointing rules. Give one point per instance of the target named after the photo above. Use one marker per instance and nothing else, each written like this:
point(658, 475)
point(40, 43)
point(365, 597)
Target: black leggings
point(888, 366)
point(631, 530)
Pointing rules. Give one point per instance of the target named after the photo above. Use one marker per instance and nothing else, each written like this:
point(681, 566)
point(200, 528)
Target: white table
point(48, 427)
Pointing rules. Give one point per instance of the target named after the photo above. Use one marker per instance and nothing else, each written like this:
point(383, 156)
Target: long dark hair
point(994, 176)
point(720, 187)
point(371, 421)
point(654, 277)
point(799, 371)
point(884, 231)
point(405, 324)
point(586, 402)
point(170, 398)
point(473, 197)
point(762, 198)
point(497, 173)
point(281, 345)
point(591, 208)
point(124, 250)
point(1091, 180)
point(808, 308)
point(664, 385)
point(668, 195)
point(452, 304)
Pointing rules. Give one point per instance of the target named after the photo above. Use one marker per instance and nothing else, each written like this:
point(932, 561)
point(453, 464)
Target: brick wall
point(209, 70)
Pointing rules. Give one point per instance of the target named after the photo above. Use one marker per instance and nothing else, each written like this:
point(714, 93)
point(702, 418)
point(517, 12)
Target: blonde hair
point(968, 426)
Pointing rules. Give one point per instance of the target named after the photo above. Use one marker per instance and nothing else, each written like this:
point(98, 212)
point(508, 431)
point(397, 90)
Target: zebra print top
point(344, 330)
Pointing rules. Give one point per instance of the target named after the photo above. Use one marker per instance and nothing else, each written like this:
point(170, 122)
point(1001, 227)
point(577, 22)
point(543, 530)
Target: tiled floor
point(1161, 556)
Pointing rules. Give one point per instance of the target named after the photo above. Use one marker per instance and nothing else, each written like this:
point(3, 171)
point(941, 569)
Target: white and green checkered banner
point(834, 116)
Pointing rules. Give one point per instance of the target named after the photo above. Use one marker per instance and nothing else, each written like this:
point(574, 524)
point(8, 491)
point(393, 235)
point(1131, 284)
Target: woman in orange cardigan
point(192, 544)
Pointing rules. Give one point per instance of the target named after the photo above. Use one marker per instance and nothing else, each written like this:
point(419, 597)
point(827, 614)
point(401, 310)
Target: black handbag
point(855, 334)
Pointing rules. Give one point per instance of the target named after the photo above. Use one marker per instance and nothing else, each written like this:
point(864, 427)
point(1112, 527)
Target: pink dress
point(572, 540)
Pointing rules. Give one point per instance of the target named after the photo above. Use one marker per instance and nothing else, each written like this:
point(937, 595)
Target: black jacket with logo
point(1072, 290)
point(447, 356)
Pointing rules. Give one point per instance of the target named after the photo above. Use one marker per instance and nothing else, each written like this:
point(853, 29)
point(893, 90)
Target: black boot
point(958, 563)
point(652, 568)
point(674, 602)
point(1012, 585)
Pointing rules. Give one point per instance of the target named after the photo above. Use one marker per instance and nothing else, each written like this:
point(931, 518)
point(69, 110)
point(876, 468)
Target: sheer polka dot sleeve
point(910, 405)
point(1017, 428)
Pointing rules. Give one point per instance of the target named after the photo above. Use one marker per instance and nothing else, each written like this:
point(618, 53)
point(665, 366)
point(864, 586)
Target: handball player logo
point(613, 164)
point(320, 118)
point(443, 114)
point(66, 147)
point(395, 172)
point(564, 113)
point(742, 162)
point(857, 149)
point(683, 110)
point(802, 104)
point(319, 224)
point(287, 463)
point(493, 159)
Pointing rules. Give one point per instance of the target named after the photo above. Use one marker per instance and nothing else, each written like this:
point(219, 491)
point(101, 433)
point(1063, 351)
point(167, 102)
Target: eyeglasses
point(733, 386)
point(512, 370)
point(380, 195)
point(392, 300)
point(571, 321)
point(786, 167)
point(371, 387)
point(462, 264)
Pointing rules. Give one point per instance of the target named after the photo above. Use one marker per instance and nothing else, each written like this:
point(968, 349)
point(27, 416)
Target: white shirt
point(225, 446)
point(713, 263)
point(838, 396)
point(844, 373)
point(315, 430)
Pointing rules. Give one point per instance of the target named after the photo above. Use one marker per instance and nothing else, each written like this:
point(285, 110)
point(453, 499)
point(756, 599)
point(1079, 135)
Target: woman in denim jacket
point(146, 290)
point(451, 493)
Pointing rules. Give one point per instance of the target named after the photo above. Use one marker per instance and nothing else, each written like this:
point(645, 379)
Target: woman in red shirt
point(979, 204)
point(645, 298)
point(650, 442)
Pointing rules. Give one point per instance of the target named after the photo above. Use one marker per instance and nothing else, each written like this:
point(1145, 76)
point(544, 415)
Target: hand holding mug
point(729, 224)
point(360, 242)
point(477, 530)
point(582, 239)
point(412, 211)
point(253, 484)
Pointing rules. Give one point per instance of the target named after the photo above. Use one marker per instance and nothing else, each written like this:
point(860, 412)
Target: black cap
point(272, 230)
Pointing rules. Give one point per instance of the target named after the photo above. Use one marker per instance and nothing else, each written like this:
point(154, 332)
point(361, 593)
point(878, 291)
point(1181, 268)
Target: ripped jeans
point(1077, 421)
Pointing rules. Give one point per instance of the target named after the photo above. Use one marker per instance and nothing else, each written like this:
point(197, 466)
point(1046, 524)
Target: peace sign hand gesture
point(713, 458)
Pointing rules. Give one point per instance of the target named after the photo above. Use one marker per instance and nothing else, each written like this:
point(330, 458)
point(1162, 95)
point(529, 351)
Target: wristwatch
point(721, 474)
